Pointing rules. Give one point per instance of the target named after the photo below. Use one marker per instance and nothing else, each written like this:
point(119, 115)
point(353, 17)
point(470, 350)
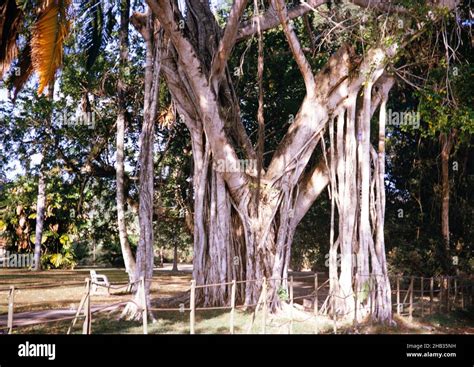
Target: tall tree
point(41, 198)
point(228, 226)
point(48, 34)
point(151, 32)
point(40, 208)
point(260, 236)
point(446, 141)
point(127, 254)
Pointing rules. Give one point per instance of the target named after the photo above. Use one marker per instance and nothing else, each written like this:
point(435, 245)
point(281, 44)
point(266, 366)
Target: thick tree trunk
point(262, 238)
point(230, 225)
point(40, 207)
point(127, 254)
point(218, 254)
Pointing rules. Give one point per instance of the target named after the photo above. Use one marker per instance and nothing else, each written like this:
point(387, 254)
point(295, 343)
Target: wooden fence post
point(448, 298)
point(86, 326)
point(291, 304)
point(78, 312)
point(192, 305)
point(265, 305)
point(232, 305)
point(315, 304)
point(455, 292)
point(410, 317)
point(441, 294)
point(371, 299)
point(11, 304)
point(145, 307)
point(469, 293)
point(422, 295)
point(355, 307)
point(398, 295)
point(431, 295)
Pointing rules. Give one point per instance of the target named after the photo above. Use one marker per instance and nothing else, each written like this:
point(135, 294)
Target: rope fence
point(409, 295)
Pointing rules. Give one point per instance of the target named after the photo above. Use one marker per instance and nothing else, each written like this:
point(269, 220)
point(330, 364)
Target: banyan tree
point(245, 215)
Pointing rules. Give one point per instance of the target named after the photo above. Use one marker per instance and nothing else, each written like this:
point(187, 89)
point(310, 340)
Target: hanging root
point(357, 192)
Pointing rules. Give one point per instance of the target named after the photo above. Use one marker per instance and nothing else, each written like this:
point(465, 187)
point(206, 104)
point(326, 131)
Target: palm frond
point(110, 23)
point(49, 34)
point(99, 22)
point(93, 32)
point(10, 23)
point(25, 68)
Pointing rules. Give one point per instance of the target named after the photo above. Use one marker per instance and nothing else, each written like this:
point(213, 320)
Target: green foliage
point(18, 212)
point(442, 112)
point(62, 260)
point(364, 292)
point(282, 293)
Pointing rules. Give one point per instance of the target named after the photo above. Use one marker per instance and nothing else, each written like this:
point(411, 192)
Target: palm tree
point(42, 52)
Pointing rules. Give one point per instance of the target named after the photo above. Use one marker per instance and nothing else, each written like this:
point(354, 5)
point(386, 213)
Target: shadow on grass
point(458, 318)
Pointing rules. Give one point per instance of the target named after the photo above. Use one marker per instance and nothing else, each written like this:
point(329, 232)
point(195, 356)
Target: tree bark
point(40, 207)
point(145, 253)
point(175, 259)
point(357, 187)
point(127, 254)
point(229, 227)
point(41, 198)
point(446, 146)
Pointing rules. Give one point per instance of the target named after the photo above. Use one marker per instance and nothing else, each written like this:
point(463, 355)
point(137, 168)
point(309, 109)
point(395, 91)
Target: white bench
point(99, 280)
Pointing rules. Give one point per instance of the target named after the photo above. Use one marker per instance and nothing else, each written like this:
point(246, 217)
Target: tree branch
point(270, 20)
point(311, 186)
point(313, 114)
point(208, 107)
point(298, 54)
point(227, 42)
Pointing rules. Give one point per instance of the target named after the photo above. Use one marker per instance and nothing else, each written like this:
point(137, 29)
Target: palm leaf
point(49, 33)
point(10, 23)
point(94, 31)
point(110, 23)
point(99, 22)
point(26, 69)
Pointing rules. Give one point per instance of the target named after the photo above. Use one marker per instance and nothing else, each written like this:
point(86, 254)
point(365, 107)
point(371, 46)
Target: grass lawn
point(207, 322)
point(64, 288)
